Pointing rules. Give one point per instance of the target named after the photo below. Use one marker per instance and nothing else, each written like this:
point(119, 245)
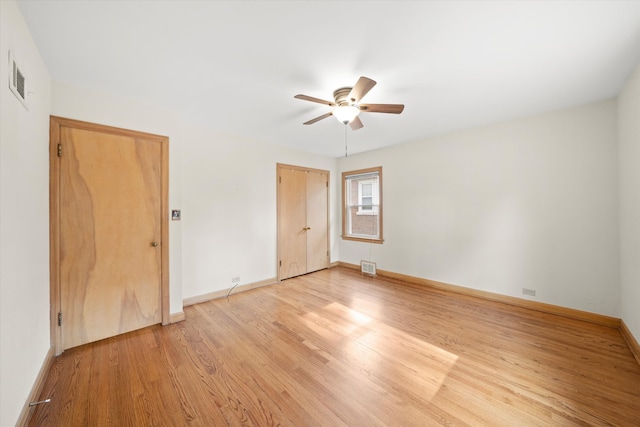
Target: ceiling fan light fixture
point(347, 106)
point(345, 113)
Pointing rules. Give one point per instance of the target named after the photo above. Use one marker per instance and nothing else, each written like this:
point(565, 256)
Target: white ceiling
point(236, 65)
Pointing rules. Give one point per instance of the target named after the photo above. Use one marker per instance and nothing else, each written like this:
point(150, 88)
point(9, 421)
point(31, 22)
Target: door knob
point(154, 244)
point(307, 228)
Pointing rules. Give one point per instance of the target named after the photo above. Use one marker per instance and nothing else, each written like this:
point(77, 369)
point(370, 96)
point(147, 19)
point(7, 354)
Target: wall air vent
point(17, 81)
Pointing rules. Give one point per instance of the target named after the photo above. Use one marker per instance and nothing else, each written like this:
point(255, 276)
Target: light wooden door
point(317, 220)
point(111, 233)
point(303, 244)
point(292, 206)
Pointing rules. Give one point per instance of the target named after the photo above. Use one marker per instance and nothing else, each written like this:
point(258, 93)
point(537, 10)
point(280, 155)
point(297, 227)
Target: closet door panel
point(292, 220)
point(317, 223)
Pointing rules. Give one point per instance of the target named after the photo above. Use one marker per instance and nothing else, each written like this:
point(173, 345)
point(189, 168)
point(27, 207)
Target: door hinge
point(280, 263)
point(59, 150)
point(327, 184)
point(60, 319)
point(280, 179)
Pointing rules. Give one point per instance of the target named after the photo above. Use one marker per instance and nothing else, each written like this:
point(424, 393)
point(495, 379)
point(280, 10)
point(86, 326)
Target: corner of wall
point(24, 217)
point(629, 195)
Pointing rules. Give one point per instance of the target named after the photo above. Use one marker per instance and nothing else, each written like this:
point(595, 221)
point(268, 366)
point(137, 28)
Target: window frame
point(346, 177)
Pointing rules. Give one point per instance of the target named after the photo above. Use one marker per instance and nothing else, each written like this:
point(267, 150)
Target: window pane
point(362, 205)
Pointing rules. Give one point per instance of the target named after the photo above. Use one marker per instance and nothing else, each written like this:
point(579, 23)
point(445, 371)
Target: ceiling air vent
point(17, 81)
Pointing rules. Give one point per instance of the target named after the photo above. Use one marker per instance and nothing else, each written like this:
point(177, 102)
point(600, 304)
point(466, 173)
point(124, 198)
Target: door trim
point(304, 169)
point(55, 125)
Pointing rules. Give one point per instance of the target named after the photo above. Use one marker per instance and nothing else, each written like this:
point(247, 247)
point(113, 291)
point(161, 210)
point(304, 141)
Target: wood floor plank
point(334, 348)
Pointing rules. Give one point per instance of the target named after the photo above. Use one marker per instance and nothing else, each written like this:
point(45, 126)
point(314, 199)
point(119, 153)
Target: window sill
point(363, 239)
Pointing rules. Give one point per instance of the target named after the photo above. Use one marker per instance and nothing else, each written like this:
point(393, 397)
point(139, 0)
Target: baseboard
point(223, 293)
point(599, 319)
point(176, 317)
point(36, 389)
point(631, 340)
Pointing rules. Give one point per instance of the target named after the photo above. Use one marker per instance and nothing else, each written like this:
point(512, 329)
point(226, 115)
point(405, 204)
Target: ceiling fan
point(346, 106)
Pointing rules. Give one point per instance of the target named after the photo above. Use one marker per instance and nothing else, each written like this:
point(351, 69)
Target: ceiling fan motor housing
point(342, 96)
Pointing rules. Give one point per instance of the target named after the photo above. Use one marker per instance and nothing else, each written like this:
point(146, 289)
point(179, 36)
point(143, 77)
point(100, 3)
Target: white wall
point(229, 199)
point(24, 218)
point(530, 203)
point(629, 155)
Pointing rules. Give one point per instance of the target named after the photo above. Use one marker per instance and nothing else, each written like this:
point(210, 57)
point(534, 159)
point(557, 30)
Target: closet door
point(292, 223)
point(303, 223)
point(317, 224)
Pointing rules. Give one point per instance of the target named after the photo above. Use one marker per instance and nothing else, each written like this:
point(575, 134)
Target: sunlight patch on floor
point(359, 319)
point(409, 358)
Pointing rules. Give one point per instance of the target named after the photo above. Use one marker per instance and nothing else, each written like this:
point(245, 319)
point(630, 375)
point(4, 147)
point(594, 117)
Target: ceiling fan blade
point(382, 108)
point(312, 99)
point(317, 119)
point(363, 85)
point(356, 123)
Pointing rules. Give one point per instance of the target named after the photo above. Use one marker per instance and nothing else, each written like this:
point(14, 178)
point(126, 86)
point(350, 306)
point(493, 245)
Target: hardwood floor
point(334, 348)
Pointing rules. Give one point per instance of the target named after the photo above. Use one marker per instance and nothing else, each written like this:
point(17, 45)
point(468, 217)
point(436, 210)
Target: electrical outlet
point(530, 292)
point(235, 279)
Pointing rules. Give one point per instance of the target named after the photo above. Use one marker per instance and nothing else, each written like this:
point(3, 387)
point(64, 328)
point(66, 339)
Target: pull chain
point(345, 141)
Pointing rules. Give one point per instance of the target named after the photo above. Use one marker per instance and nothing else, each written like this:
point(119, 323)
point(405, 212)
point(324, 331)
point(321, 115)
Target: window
point(368, 197)
point(362, 205)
